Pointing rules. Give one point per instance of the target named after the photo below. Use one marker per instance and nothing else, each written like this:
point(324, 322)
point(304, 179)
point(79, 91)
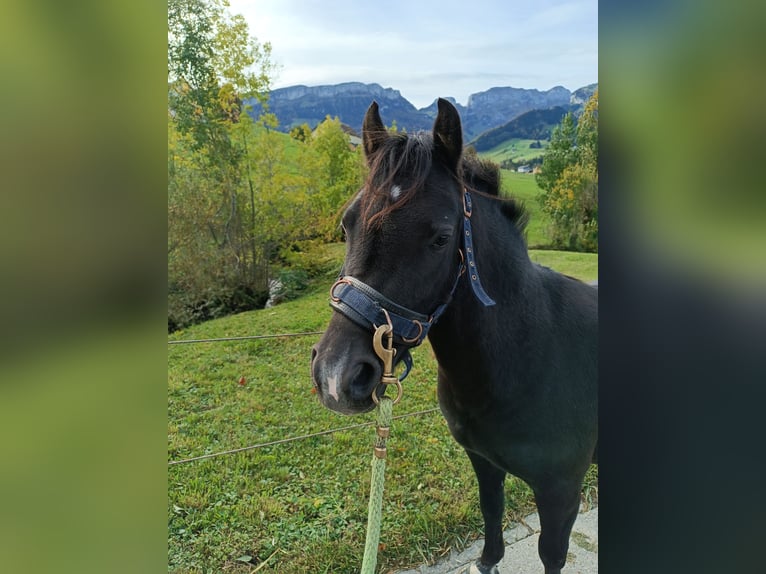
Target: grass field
point(515, 149)
point(301, 507)
point(523, 187)
point(581, 265)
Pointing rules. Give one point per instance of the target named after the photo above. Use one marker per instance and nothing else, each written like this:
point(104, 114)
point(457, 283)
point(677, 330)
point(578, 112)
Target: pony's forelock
point(403, 163)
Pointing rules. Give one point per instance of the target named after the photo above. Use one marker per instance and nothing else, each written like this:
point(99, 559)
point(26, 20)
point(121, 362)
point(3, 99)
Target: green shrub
point(313, 257)
point(185, 309)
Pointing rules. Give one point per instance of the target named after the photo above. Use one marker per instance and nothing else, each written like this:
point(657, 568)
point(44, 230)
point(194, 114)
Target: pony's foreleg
point(492, 501)
point(557, 508)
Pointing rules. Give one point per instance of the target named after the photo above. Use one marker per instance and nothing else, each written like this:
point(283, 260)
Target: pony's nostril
point(363, 381)
point(314, 353)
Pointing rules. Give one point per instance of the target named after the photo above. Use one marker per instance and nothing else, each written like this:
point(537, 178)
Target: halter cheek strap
point(473, 271)
point(369, 308)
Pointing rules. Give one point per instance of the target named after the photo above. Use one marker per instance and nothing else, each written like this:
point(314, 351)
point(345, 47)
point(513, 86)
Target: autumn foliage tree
point(242, 196)
point(339, 173)
point(214, 263)
point(569, 181)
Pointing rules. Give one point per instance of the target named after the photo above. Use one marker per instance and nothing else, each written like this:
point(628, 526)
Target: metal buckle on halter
point(386, 355)
point(416, 338)
point(340, 281)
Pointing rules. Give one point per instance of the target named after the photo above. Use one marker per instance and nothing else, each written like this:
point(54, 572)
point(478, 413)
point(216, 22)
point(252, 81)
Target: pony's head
point(403, 232)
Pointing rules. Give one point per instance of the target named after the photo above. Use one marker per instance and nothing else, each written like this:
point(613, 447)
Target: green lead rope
point(374, 513)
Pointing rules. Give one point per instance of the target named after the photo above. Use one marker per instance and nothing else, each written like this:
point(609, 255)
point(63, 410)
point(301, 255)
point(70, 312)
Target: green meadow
point(515, 149)
point(301, 506)
point(523, 188)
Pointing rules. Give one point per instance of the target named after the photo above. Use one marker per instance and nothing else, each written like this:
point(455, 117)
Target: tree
point(587, 132)
point(211, 58)
point(301, 133)
point(569, 180)
point(213, 256)
point(240, 193)
point(572, 204)
point(561, 152)
point(339, 176)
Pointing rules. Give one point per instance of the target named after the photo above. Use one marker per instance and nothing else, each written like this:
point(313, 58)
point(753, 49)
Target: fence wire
point(295, 438)
point(284, 440)
point(244, 338)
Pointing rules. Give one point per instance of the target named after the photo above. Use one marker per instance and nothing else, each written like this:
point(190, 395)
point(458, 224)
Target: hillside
point(485, 110)
point(582, 95)
point(533, 125)
point(497, 106)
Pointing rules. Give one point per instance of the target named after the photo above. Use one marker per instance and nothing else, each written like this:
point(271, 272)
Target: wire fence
point(284, 440)
point(295, 438)
point(244, 338)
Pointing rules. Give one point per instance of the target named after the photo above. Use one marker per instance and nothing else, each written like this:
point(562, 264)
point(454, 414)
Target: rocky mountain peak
point(485, 110)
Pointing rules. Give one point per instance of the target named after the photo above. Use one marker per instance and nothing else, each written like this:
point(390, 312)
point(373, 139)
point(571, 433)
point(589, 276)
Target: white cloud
point(425, 50)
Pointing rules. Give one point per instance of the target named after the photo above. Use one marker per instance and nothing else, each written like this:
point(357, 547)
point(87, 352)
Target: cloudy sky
point(427, 49)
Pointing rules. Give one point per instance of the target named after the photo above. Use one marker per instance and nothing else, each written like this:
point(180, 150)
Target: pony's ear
point(374, 133)
point(448, 134)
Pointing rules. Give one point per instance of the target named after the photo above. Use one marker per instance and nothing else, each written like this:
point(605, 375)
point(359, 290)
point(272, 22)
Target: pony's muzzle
point(363, 380)
point(345, 383)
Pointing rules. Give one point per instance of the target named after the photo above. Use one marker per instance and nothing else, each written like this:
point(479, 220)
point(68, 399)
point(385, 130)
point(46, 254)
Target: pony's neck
point(507, 274)
point(502, 261)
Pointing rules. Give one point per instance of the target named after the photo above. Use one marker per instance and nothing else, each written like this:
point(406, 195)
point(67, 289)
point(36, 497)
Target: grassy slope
point(581, 265)
point(523, 187)
point(515, 149)
point(304, 504)
point(307, 500)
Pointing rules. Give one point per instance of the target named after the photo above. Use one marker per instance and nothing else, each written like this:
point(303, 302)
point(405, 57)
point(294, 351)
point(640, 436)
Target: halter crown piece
point(369, 309)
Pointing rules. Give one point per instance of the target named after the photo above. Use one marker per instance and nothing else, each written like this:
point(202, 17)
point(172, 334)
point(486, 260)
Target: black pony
point(516, 343)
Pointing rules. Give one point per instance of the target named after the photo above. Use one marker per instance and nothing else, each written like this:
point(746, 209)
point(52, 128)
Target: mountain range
point(493, 108)
point(531, 125)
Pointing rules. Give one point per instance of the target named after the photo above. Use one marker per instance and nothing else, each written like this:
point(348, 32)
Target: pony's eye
point(442, 240)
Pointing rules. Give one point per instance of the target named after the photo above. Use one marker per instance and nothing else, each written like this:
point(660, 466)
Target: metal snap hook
point(386, 355)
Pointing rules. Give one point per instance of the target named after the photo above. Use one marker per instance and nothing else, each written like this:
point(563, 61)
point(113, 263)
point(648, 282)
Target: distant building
point(524, 169)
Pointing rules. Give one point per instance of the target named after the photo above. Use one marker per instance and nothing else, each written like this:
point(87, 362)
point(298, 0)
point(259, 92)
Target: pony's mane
point(405, 160)
point(483, 176)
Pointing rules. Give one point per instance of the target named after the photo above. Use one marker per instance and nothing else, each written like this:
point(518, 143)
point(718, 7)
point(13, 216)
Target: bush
point(572, 204)
point(185, 310)
point(293, 283)
point(312, 257)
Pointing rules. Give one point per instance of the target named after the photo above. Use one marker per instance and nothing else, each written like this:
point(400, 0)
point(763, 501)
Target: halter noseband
point(369, 308)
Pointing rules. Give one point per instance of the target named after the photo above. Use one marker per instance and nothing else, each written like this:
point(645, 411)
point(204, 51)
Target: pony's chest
point(465, 432)
point(495, 433)
point(473, 424)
